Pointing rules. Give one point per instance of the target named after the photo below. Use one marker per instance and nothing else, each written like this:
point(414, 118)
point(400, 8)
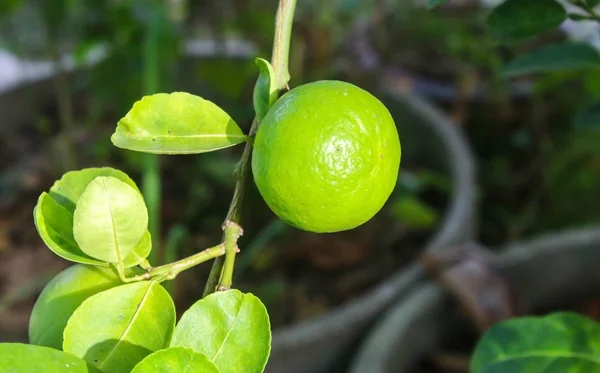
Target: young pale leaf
point(140, 251)
point(176, 359)
point(71, 185)
point(265, 91)
point(22, 358)
point(53, 215)
point(116, 329)
point(110, 219)
point(176, 123)
point(231, 328)
point(559, 343)
point(516, 20)
point(61, 297)
point(558, 57)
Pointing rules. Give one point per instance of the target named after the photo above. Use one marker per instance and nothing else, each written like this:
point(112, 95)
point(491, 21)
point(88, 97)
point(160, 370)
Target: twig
point(170, 271)
point(220, 278)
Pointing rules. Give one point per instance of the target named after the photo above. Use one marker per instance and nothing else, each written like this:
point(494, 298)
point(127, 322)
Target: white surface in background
point(14, 71)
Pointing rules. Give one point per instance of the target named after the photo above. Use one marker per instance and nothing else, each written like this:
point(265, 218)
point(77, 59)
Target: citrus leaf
point(71, 185)
point(140, 251)
point(54, 224)
point(265, 92)
point(22, 358)
point(414, 212)
point(561, 342)
point(117, 328)
point(516, 20)
point(558, 57)
point(61, 297)
point(176, 359)
point(110, 219)
point(434, 3)
point(231, 328)
point(53, 215)
point(176, 123)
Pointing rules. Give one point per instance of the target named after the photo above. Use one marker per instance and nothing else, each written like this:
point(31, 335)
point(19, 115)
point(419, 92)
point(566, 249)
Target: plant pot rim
point(415, 324)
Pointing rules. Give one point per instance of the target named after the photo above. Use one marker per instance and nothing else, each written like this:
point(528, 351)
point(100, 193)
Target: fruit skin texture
point(326, 156)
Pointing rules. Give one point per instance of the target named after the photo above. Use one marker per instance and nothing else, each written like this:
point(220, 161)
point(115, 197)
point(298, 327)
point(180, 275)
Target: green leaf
point(265, 91)
point(110, 219)
point(176, 123)
point(579, 17)
point(61, 297)
point(176, 359)
point(561, 342)
point(71, 186)
point(516, 20)
point(558, 57)
point(22, 358)
point(53, 216)
point(231, 328)
point(588, 118)
point(116, 329)
point(414, 212)
point(434, 3)
point(140, 251)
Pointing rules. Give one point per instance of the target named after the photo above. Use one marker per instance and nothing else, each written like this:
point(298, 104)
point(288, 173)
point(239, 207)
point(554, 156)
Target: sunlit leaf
point(22, 358)
point(559, 343)
point(61, 297)
point(176, 359)
point(53, 216)
point(110, 219)
point(116, 329)
point(231, 328)
point(176, 123)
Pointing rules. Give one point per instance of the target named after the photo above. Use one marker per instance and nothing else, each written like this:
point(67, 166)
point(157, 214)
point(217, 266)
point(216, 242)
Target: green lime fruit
point(61, 297)
point(326, 156)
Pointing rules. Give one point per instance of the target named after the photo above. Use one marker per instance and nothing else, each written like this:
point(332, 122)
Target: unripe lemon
point(326, 156)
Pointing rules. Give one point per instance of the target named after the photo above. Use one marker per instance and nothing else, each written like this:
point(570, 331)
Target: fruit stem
point(220, 277)
point(281, 45)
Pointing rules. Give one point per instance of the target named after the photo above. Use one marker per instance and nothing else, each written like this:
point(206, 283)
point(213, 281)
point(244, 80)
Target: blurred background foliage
point(536, 138)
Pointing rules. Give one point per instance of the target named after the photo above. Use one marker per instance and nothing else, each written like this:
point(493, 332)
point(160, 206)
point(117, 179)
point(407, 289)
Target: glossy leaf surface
point(116, 329)
point(109, 220)
point(558, 343)
point(61, 297)
point(53, 215)
point(516, 20)
point(176, 359)
point(558, 57)
point(231, 328)
point(176, 123)
point(22, 358)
